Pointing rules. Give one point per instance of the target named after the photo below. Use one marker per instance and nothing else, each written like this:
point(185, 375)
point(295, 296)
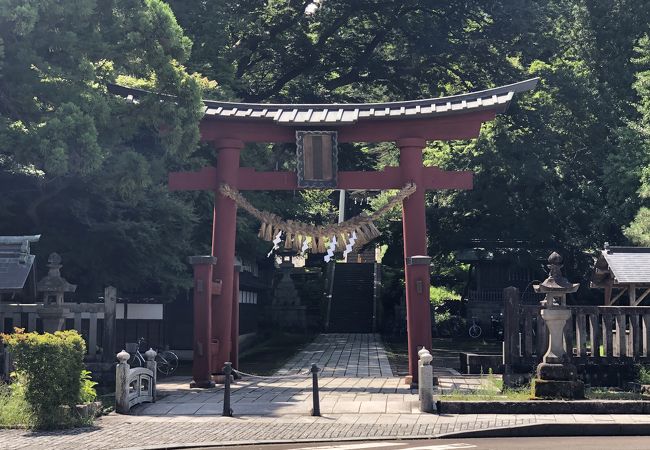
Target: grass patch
point(491, 390)
point(15, 412)
point(271, 352)
point(609, 394)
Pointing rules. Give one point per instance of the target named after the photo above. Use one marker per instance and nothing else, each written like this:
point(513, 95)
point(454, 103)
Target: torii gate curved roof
point(475, 108)
point(347, 113)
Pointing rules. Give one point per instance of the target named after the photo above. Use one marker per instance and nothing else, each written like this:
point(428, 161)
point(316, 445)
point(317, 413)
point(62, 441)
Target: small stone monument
point(286, 310)
point(53, 287)
point(556, 376)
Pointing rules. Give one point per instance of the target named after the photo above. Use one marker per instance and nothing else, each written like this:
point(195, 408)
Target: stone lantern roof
point(54, 282)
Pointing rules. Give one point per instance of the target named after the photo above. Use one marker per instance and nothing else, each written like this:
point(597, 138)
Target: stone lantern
point(286, 310)
point(53, 287)
point(556, 376)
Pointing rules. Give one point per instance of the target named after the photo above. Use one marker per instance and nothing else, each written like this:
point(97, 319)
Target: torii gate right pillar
point(416, 267)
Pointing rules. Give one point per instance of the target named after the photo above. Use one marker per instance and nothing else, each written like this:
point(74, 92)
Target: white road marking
point(355, 446)
point(443, 447)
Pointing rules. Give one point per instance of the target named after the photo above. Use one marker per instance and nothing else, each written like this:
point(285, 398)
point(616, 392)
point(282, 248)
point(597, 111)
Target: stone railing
point(593, 334)
point(23, 315)
point(96, 322)
point(134, 386)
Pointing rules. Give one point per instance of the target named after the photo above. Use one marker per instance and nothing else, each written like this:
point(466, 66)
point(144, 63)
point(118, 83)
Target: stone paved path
point(342, 355)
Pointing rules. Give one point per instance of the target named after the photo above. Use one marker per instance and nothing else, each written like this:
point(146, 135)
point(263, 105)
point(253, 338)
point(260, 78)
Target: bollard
point(314, 387)
point(425, 386)
point(121, 383)
point(227, 371)
point(152, 365)
point(421, 353)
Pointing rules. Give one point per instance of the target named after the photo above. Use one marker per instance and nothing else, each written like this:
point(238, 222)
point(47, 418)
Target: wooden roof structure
point(16, 262)
point(623, 270)
point(335, 114)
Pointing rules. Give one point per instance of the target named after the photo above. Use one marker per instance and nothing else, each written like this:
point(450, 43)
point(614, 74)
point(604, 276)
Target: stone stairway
point(351, 310)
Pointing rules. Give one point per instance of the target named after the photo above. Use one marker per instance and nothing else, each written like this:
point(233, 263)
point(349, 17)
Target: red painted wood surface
point(414, 226)
point(234, 331)
point(223, 247)
point(201, 369)
point(457, 126)
point(251, 180)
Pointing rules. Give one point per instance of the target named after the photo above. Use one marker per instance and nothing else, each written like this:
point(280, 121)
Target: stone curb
point(546, 407)
point(556, 429)
point(532, 430)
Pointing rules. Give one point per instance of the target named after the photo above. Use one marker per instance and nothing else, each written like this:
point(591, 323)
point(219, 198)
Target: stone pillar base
point(289, 317)
point(204, 384)
point(571, 390)
point(221, 379)
point(556, 372)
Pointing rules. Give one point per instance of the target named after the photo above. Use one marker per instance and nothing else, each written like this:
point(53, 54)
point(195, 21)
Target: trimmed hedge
point(51, 366)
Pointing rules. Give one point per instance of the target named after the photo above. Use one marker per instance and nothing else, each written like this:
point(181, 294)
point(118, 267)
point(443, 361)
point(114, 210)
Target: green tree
point(636, 138)
point(82, 166)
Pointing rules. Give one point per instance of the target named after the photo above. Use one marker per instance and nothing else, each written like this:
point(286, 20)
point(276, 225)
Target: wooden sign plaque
point(317, 153)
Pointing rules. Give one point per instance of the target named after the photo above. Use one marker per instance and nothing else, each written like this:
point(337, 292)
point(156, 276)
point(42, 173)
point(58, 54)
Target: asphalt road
point(533, 443)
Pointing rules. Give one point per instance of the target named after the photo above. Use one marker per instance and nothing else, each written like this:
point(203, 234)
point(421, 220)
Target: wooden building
point(624, 275)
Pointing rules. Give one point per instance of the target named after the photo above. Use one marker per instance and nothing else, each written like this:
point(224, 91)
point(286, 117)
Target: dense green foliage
point(80, 166)
point(561, 170)
point(567, 167)
point(51, 369)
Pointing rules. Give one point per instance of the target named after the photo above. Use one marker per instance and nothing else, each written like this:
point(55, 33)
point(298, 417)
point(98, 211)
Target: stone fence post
point(425, 381)
point(152, 365)
point(122, 383)
point(510, 333)
point(110, 305)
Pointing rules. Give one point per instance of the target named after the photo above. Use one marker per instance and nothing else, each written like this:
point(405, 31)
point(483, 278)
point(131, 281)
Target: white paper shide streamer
point(276, 243)
point(330, 250)
point(350, 244)
point(305, 245)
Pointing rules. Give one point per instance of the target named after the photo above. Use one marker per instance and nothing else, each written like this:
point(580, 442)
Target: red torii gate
point(410, 124)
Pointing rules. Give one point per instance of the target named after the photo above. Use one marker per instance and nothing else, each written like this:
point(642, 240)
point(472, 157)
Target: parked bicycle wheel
point(167, 362)
point(134, 361)
point(475, 331)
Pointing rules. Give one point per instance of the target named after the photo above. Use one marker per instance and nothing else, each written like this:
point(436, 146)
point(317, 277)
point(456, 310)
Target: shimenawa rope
point(295, 233)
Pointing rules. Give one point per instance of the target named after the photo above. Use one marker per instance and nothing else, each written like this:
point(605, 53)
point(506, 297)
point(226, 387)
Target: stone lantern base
point(290, 317)
point(558, 381)
point(53, 318)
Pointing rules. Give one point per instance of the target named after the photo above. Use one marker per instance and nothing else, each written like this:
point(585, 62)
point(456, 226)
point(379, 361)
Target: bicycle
point(475, 330)
point(166, 361)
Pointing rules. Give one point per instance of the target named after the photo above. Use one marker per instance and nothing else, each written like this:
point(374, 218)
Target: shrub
point(87, 391)
point(644, 374)
point(51, 367)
